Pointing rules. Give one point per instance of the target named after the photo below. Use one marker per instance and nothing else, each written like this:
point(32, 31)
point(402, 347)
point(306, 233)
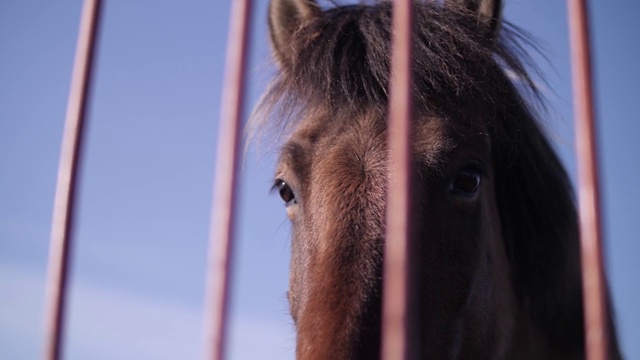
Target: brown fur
point(498, 268)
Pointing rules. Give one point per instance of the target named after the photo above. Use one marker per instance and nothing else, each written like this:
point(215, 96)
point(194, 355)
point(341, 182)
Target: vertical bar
point(395, 341)
point(223, 209)
point(68, 170)
point(596, 332)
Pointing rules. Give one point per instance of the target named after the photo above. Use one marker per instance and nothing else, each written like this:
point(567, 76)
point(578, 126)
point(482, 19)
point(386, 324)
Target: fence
point(395, 341)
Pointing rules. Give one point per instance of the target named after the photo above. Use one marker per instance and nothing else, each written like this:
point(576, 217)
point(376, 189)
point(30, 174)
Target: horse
point(495, 235)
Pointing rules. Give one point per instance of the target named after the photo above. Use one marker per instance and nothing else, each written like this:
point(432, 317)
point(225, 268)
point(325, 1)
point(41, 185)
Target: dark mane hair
point(342, 60)
point(340, 63)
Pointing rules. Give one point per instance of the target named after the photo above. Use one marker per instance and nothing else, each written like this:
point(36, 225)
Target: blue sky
point(140, 255)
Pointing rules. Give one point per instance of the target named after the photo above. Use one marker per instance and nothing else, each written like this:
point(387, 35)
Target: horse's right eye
point(285, 192)
point(467, 182)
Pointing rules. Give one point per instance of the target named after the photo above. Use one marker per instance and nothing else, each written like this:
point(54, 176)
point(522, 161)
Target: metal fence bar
point(63, 211)
point(223, 209)
point(596, 332)
point(396, 272)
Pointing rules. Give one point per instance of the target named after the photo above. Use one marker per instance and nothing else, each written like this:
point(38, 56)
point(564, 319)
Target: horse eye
point(466, 182)
point(285, 192)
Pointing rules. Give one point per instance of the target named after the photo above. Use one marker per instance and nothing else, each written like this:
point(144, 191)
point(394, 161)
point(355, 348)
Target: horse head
point(495, 247)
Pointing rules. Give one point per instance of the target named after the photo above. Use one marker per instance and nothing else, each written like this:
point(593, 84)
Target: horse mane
point(339, 63)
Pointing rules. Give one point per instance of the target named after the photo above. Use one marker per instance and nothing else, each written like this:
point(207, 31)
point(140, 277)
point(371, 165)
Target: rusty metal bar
point(223, 209)
point(396, 272)
point(595, 302)
point(68, 172)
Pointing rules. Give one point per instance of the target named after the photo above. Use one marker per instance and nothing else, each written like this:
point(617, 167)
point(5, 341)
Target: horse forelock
point(341, 61)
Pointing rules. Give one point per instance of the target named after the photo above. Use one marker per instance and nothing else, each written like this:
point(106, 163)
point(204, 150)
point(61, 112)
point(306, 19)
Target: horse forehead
point(364, 138)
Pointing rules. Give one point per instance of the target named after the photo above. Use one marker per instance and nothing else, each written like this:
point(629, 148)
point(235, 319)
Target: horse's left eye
point(466, 182)
point(285, 192)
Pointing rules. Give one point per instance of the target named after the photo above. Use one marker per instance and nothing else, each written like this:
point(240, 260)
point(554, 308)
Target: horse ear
point(285, 18)
point(489, 12)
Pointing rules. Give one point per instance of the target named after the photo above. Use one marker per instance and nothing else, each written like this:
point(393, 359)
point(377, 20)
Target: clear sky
point(137, 287)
